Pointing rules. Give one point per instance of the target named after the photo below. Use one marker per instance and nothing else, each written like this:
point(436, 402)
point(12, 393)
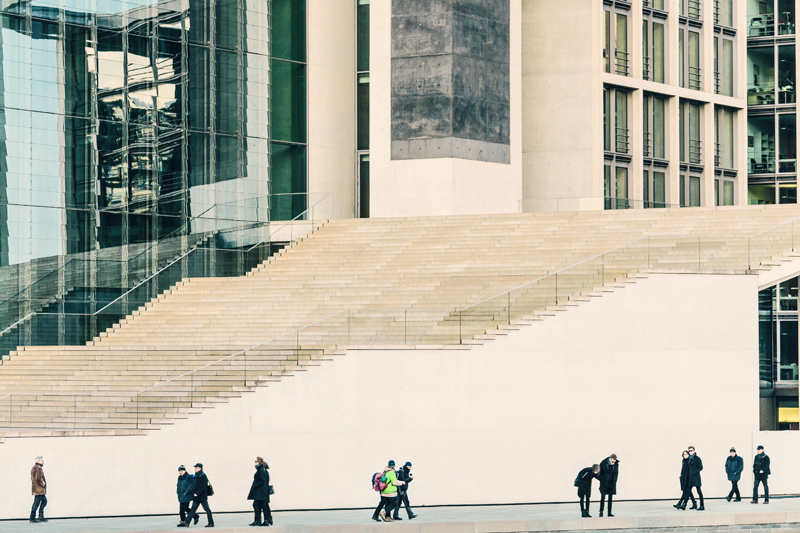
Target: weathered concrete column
point(451, 80)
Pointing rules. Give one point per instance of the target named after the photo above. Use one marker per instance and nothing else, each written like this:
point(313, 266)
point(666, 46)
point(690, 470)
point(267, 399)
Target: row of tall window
point(655, 108)
point(616, 49)
point(362, 107)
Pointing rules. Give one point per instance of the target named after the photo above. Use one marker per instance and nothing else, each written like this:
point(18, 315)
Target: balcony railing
point(646, 144)
point(761, 162)
point(717, 152)
point(695, 151)
point(762, 94)
point(621, 140)
point(694, 78)
point(694, 9)
point(621, 62)
point(761, 25)
point(645, 67)
point(716, 12)
point(716, 82)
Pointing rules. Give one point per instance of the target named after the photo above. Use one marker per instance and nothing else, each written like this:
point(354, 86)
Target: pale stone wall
point(643, 372)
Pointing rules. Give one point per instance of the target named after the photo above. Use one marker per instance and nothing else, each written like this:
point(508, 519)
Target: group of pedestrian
point(393, 487)
point(195, 489)
point(691, 466)
point(607, 473)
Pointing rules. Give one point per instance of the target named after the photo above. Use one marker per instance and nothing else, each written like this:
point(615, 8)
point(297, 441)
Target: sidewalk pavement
point(631, 516)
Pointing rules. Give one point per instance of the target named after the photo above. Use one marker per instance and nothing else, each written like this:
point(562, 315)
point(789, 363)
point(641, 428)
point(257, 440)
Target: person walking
point(584, 484)
point(686, 491)
point(388, 495)
point(199, 492)
point(609, 471)
point(259, 493)
point(760, 474)
point(38, 490)
point(695, 467)
point(404, 475)
point(185, 482)
point(734, 465)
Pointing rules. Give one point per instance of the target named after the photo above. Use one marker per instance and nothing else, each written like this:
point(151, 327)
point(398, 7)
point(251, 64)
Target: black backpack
point(578, 479)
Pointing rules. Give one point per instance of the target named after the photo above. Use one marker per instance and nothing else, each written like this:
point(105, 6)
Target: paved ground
point(550, 517)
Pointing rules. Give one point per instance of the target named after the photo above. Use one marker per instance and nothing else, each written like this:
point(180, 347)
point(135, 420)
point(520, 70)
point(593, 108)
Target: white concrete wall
point(332, 102)
point(643, 372)
point(437, 186)
point(781, 447)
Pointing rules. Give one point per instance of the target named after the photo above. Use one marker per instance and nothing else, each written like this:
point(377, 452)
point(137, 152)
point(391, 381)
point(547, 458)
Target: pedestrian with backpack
point(584, 484)
point(404, 475)
point(185, 482)
point(386, 483)
point(201, 489)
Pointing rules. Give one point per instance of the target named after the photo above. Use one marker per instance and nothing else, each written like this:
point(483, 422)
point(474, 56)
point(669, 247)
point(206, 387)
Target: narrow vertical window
point(659, 189)
point(621, 121)
point(727, 67)
point(659, 137)
point(645, 51)
point(681, 56)
point(694, 60)
point(607, 42)
point(621, 43)
point(658, 52)
point(647, 139)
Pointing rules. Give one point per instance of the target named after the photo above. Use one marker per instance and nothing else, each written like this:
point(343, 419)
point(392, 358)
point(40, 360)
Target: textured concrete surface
point(634, 517)
point(451, 79)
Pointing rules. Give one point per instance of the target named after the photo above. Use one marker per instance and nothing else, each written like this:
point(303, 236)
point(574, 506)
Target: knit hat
point(733, 449)
point(199, 465)
point(408, 463)
point(391, 463)
point(760, 448)
point(182, 468)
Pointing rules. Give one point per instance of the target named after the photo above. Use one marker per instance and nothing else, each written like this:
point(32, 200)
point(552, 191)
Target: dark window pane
point(288, 101)
point(788, 347)
point(363, 178)
point(199, 60)
point(288, 177)
point(362, 14)
point(227, 92)
point(227, 20)
point(363, 111)
point(289, 29)
point(227, 158)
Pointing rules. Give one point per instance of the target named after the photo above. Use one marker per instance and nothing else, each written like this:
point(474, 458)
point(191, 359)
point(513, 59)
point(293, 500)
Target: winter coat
point(185, 483)
point(685, 474)
point(608, 476)
point(259, 491)
point(734, 467)
point(199, 487)
point(695, 466)
point(761, 462)
point(404, 475)
point(38, 483)
point(585, 478)
point(391, 477)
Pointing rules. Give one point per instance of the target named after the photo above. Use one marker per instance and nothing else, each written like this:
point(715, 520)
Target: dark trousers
point(585, 509)
point(39, 502)
point(260, 506)
point(686, 496)
point(755, 490)
point(735, 490)
point(699, 494)
point(196, 505)
point(387, 503)
point(402, 499)
point(603, 501)
point(184, 510)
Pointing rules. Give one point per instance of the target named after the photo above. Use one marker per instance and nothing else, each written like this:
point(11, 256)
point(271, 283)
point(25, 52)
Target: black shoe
point(701, 508)
point(753, 501)
point(396, 517)
point(183, 524)
point(610, 515)
point(737, 500)
point(42, 519)
point(729, 498)
point(34, 521)
point(765, 503)
point(411, 515)
point(677, 505)
point(255, 524)
point(210, 525)
point(376, 518)
point(694, 505)
point(583, 514)
point(196, 519)
point(683, 507)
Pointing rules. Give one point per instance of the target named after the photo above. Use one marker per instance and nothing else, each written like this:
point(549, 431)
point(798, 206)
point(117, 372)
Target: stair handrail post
point(508, 307)
point(244, 384)
point(556, 298)
point(137, 410)
point(405, 326)
point(749, 264)
point(460, 337)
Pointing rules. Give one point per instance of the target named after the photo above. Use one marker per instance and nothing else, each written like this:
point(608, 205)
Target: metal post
point(245, 369)
point(75, 413)
point(348, 326)
point(508, 307)
point(191, 390)
point(603, 270)
point(556, 288)
point(405, 326)
point(749, 266)
point(460, 338)
point(137, 411)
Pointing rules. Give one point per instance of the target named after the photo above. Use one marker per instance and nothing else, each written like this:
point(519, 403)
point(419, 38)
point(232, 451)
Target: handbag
point(210, 491)
point(271, 490)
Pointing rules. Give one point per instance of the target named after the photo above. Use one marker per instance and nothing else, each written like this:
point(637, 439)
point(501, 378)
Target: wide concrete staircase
point(446, 282)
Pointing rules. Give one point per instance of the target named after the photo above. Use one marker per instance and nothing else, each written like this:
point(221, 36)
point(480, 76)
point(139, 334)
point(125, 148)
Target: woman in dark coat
point(686, 490)
point(609, 471)
point(259, 493)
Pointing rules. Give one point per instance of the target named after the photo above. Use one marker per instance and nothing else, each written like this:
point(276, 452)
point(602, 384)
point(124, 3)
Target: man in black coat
point(404, 474)
point(584, 484)
point(185, 482)
point(609, 471)
point(695, 466)
point(760, 474)
point(259, 493)
point(199, 492)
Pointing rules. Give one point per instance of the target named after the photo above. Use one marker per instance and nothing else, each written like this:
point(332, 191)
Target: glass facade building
point(132, 131)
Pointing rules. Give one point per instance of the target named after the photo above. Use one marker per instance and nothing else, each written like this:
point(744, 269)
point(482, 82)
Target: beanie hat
point(733, 449)
point(391, 463)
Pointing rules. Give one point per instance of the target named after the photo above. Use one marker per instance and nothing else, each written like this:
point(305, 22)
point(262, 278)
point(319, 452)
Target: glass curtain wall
point(362, 105)
point(288, 109)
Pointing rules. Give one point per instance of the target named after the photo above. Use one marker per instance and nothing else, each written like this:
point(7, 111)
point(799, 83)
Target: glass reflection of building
point(122, 119)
